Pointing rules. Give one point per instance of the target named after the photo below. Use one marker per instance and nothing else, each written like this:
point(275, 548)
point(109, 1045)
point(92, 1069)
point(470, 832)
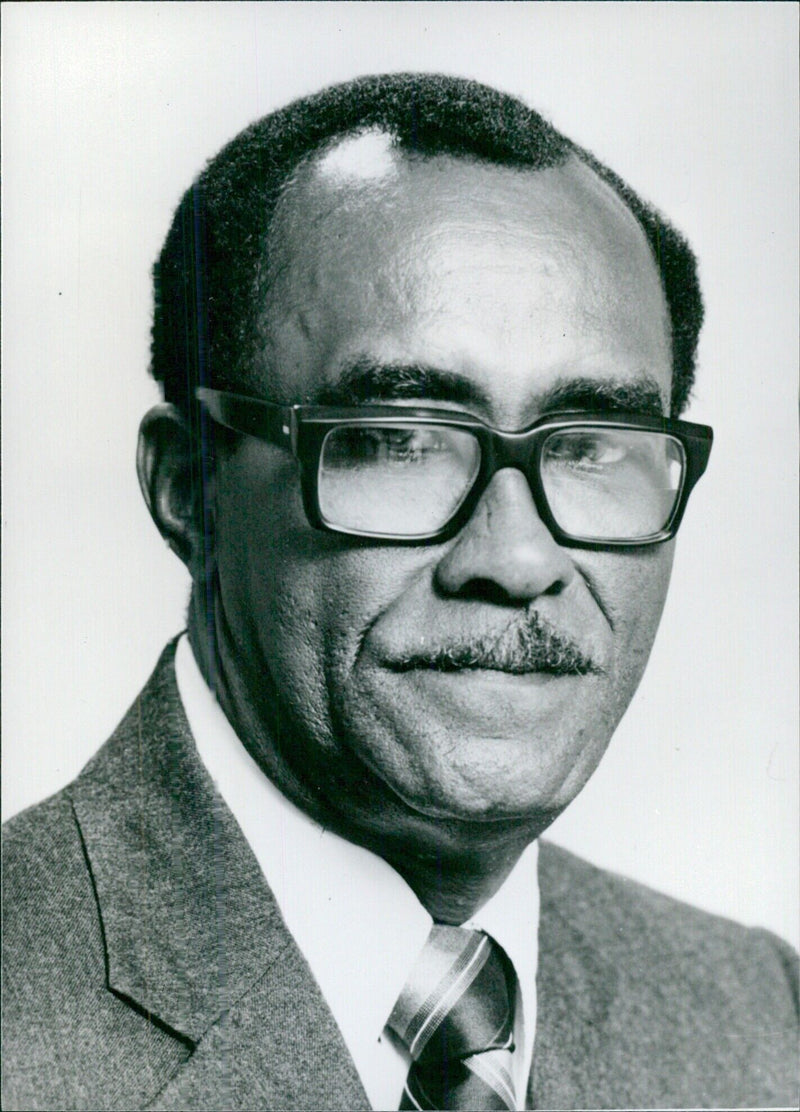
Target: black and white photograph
point(400, 555)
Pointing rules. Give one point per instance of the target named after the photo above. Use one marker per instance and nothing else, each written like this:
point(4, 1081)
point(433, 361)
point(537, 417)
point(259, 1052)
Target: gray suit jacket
point(147, 965)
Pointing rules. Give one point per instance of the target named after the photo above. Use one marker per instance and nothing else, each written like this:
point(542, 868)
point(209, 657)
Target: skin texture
point(518, 283)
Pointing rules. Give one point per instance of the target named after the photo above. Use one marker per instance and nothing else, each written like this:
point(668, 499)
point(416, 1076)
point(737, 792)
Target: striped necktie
point(456, 1018)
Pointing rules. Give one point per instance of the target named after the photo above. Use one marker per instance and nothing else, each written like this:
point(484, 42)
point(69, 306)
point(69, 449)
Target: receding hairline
point(576, 175)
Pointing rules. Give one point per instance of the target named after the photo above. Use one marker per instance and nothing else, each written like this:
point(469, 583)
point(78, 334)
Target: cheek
point(298, 601)
point(633, 589)
point(325, 598)
point(265, 572)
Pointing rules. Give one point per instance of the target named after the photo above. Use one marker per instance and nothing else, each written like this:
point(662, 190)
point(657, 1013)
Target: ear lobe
point(164, 467)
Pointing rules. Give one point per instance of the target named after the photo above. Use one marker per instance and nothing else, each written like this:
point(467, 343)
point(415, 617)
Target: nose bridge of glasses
point(512, 449)
point(517, 450)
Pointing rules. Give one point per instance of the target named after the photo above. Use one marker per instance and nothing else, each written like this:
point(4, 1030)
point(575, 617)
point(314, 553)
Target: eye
point(587, 449)
point(413, 444)
point(391, 445)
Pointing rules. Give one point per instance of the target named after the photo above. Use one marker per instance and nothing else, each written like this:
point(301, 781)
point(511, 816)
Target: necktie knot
point(456, 1018)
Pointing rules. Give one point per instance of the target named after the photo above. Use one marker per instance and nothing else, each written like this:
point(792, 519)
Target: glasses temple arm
point(276, 424)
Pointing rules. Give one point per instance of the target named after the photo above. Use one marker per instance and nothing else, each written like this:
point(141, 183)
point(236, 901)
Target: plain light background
point(109, 110)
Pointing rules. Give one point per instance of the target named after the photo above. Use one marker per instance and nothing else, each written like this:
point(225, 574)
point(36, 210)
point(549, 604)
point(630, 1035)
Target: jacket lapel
point(193, 936)
point(277, 1047)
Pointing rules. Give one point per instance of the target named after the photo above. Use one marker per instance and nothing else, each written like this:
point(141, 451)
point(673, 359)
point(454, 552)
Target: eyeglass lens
point(408, 480)
point(611, 484)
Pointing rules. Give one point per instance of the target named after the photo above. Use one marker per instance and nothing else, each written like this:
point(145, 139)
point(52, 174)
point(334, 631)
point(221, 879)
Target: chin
point(496, 780)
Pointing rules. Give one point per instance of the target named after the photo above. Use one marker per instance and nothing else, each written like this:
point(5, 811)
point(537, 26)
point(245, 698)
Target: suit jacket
point(147, 965)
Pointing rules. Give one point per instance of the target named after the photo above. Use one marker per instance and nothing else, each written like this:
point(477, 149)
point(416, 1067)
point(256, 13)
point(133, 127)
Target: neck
point(453, 866)
point(454, 883)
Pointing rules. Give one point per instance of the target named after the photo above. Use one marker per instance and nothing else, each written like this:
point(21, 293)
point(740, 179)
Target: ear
point(164, 465)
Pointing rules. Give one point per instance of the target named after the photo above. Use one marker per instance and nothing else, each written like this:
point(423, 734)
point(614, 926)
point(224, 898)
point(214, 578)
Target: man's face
point(527, 290)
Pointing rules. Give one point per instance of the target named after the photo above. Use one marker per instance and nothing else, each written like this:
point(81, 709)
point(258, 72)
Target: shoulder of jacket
point(654, 936)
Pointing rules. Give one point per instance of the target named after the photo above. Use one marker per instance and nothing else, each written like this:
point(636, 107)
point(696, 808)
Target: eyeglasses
point(414, 475)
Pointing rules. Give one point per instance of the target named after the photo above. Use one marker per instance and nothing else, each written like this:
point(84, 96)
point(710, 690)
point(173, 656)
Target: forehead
point(512, 279)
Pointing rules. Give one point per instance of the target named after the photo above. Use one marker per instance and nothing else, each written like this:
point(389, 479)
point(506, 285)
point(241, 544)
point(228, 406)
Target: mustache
point(529, 644)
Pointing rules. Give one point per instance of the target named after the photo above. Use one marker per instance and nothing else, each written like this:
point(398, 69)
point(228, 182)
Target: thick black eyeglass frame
point(302, 429)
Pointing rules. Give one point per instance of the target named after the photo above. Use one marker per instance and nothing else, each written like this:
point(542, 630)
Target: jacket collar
point(188, 920)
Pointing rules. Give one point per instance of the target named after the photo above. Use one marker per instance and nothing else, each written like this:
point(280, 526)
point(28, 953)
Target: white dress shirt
point(358, 924)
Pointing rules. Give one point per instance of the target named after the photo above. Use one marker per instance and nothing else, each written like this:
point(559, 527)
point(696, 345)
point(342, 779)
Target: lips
point(530, 644)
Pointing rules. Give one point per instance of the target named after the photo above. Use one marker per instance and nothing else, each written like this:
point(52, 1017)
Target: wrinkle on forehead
point(366, 232)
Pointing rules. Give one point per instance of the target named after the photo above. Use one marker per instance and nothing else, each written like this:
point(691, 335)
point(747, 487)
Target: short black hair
point(210, 270)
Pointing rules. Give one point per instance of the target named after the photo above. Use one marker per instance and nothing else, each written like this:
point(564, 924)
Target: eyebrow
point(366, 380)
point(639, 395)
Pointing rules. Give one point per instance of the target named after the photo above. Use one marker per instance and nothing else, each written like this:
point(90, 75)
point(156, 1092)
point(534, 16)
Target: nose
point(505, 552)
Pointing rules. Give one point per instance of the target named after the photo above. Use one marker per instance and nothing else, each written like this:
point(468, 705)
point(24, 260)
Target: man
point(422, 360)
